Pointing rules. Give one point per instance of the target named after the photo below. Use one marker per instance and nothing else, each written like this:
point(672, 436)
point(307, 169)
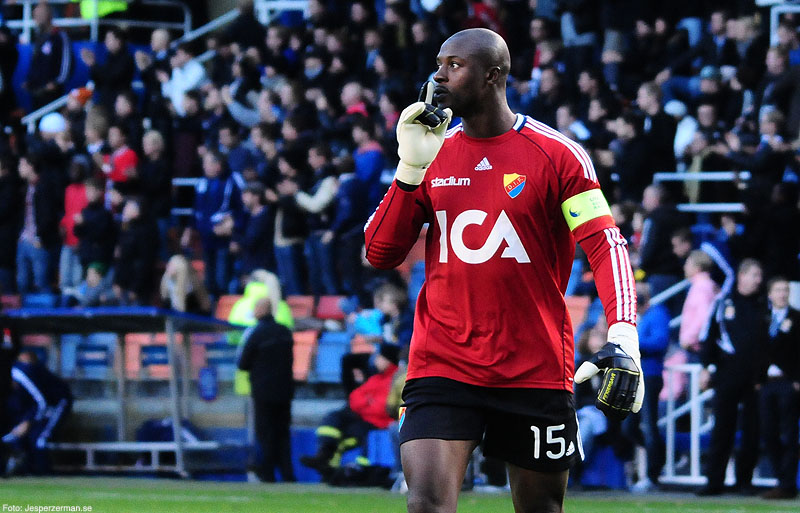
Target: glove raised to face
point(432, 115)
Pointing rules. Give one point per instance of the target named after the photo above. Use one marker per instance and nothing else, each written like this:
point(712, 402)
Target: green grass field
point(118, 495)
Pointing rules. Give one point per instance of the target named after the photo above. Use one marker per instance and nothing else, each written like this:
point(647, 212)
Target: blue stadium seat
point(69, 348)
point(94, 357)
point(154, 355)
point(604, 470)
point(93, 361)
point(380, 447)
point(332, 347)
point(42, 300)
point(222, 356)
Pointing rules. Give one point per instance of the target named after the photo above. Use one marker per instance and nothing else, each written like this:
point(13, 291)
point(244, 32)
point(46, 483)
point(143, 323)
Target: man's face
point(115, 138)
point(706, 116)
point(459, 78)
point(779, 294)
point(750, 280)
point(717, 25)
point(680, 246)
point(643, 98)
point(113, 44)
point(211, 167)
point(226, 138)
point(315, 160)
point(248, 200)
point(41, 15)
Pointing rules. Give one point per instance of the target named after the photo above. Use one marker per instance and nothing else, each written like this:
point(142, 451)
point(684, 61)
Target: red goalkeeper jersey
point(504, 214)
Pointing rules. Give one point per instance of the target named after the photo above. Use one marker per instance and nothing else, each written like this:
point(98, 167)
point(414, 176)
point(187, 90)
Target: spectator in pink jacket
point(699, 299)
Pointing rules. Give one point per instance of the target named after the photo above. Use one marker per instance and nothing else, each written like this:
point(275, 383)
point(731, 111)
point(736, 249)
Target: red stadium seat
point(329, 307)
point(10, 302)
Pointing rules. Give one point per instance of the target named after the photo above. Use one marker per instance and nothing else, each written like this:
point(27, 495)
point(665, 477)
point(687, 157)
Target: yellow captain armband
point(584, 207)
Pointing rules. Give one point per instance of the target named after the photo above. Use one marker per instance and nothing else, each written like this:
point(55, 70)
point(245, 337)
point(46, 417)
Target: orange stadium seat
point(305, 347)
point(360, 344)
point(577, 306)
point(199, 267)
point(302, 307)
point(224, 306)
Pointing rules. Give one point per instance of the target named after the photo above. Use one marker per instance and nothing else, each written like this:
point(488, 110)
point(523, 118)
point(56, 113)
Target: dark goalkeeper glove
point(622, 390)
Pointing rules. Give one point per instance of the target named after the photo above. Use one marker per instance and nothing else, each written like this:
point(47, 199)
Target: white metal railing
point(212, 25)
point(267, 10)
point(775, 12)
point(667, 293)
point(694, 406)
point(710, 208)
point(31, 119)
point(696, 403)
point(26, 24)
point(705, 176)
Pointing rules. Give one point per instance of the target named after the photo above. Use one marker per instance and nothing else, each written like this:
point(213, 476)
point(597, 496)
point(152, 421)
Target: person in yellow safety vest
point(242, 314)
point(104, 7)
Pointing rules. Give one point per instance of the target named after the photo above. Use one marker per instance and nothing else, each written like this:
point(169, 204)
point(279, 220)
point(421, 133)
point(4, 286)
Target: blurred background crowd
point(272, 153)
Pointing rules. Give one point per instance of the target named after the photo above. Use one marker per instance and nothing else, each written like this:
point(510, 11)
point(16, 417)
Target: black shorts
point(535, 429)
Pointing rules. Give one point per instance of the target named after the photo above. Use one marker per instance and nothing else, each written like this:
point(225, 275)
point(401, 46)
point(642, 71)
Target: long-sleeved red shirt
point(498, 256)
point(369, 399)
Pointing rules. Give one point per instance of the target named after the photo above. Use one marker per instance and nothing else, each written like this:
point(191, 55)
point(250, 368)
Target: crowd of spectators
point(289, 131)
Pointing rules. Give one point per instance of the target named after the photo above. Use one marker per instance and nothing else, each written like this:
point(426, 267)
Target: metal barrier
point(267, 10)
point(30, 119)
point(705, 176)
point(27, 24)
point(695, 405)
point(777, 7)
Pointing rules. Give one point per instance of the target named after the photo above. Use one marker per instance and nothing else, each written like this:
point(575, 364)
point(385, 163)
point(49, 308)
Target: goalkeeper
point(491, 358)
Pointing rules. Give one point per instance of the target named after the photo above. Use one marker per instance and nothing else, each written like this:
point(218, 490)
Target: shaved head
point(471, 78)
point(484, 45)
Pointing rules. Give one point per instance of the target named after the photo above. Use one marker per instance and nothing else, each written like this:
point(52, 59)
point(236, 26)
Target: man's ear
point(493, 75)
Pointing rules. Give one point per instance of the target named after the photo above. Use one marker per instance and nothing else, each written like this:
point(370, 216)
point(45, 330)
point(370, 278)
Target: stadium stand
point(717, 132)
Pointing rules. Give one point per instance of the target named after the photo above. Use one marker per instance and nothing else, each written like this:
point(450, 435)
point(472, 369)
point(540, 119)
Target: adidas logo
point(483, 165)
point(570, 449)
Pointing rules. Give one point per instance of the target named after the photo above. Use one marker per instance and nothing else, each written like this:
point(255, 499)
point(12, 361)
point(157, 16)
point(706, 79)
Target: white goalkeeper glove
point(623, 384)
point(420, 135)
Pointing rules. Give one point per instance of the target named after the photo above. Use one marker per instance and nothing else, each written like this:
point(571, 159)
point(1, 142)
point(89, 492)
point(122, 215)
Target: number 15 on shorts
point(552, 442)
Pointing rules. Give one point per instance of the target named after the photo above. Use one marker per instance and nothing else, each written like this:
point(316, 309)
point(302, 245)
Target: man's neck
point(256, 210)
point(490, 122)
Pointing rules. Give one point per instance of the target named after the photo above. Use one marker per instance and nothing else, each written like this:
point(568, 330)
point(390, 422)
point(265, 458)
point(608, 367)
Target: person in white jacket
point(187, 74)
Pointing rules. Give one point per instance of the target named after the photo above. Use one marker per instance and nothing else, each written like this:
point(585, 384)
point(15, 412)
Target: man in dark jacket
point(38, 242)
point(733, 351)
point(663, 267)
point(10, 209)
point(39, 403)
point(135, 256)
point(217, 213)
point(9, 56)
point(51, 63)
point(780, 394)
point(266, 352)
point(253, 243)
point(115, 74)
point(95, 228)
